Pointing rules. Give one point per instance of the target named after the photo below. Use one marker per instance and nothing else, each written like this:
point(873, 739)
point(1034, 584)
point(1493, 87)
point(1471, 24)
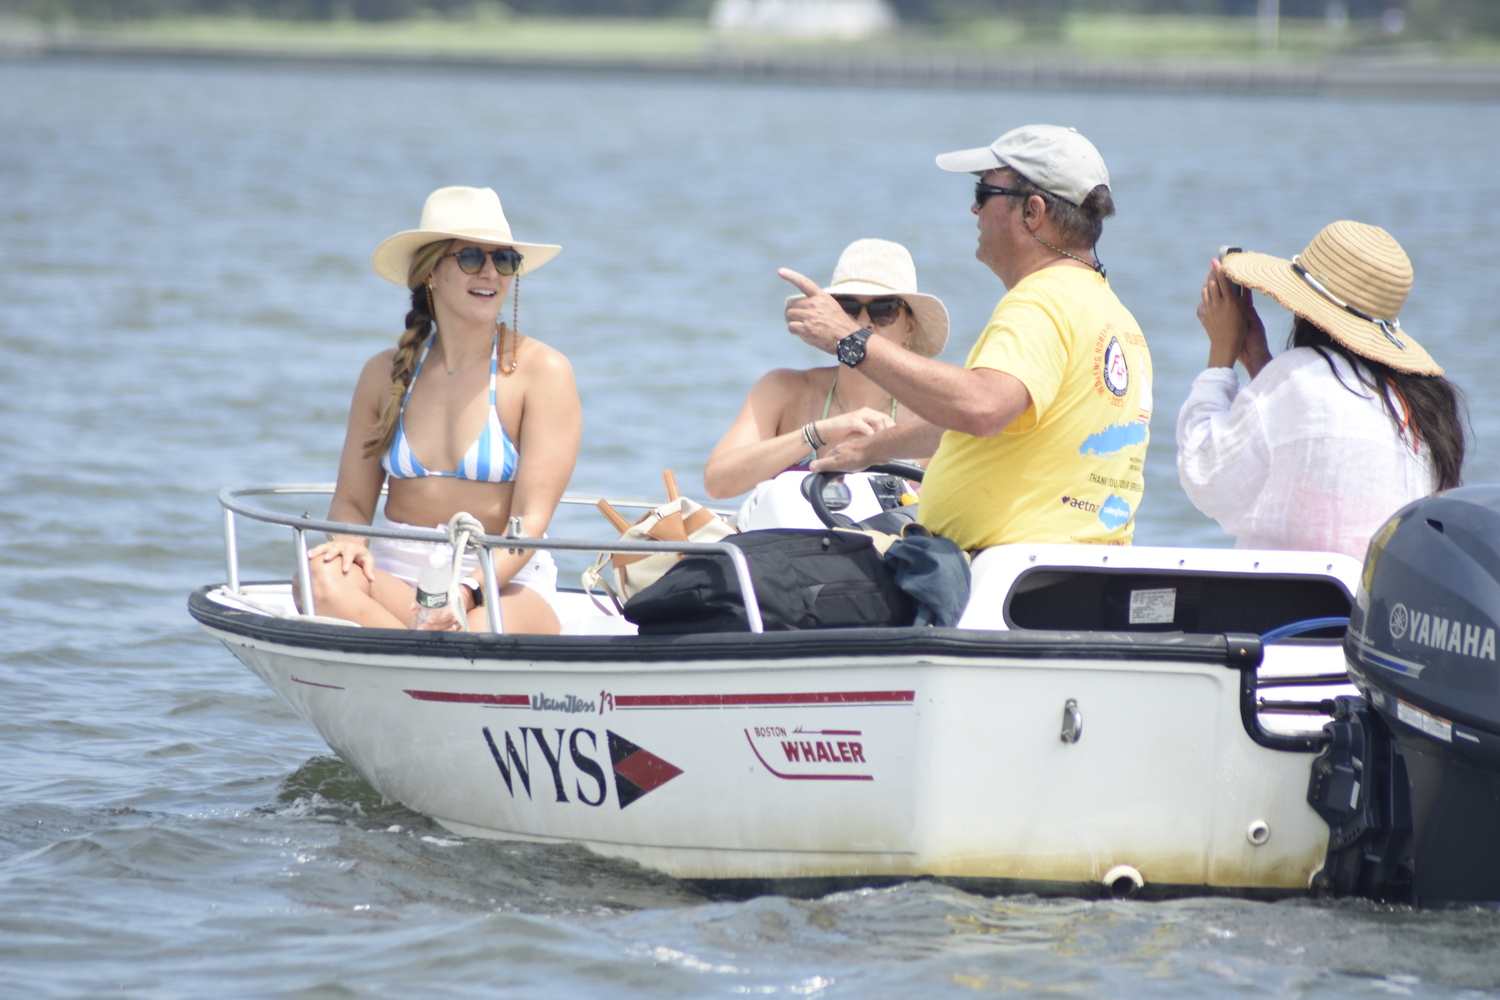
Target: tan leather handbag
point(677, 520)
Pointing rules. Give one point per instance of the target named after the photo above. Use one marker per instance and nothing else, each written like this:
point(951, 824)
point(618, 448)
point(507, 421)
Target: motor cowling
point(1421, 645)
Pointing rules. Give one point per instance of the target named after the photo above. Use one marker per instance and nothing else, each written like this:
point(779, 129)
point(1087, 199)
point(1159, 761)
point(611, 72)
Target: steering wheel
point(813, 488)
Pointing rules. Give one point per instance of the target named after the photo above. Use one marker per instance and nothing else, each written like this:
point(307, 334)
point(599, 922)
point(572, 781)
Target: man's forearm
point(913, 439)
point(980, 401)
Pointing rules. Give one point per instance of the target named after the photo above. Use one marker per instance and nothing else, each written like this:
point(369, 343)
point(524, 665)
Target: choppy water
point(184, 302)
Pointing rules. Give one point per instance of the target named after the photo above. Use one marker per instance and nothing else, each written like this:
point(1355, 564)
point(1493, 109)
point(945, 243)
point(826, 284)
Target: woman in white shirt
point(1348, 425)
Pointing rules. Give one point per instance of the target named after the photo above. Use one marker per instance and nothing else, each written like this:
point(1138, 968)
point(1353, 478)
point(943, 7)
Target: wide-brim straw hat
point(1351, 283)
point(456, 213)
point(883, 268)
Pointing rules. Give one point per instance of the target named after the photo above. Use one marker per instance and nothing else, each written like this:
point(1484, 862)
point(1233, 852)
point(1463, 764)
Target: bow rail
point(233, 500)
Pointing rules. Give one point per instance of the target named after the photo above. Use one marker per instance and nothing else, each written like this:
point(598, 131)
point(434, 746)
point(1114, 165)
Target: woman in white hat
point(464, 414)
point(791, 416)
point(1348, 425)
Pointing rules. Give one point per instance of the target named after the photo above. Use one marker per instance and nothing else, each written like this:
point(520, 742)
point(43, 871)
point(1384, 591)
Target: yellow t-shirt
point(1069, 469)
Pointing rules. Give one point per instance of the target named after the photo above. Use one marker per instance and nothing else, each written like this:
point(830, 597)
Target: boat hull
point(856, 756)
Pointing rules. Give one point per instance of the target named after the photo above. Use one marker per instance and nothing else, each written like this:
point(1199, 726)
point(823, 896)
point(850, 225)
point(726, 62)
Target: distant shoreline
point(997, 69)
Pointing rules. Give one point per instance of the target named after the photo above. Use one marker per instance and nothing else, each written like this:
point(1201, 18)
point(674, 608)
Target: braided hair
point(420, 325)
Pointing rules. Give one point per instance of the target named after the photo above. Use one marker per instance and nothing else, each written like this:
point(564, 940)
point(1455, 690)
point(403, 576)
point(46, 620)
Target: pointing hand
point(817, 318)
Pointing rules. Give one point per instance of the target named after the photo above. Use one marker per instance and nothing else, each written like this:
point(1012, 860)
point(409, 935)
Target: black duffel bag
point(803, 579)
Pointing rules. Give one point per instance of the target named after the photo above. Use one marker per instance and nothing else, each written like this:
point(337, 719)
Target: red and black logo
point(637, 771)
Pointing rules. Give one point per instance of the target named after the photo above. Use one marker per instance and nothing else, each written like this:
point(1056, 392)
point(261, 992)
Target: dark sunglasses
point(983, 191)
point(471, 260)
point(883, 312)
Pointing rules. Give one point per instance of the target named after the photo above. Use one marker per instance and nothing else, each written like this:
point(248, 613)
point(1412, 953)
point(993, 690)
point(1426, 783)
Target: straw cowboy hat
point(1350, 282)
point(456, 213)
point(880, 267)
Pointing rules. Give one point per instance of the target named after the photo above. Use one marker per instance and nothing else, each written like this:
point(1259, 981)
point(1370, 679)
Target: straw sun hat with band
point(885, 269)
point(456, 213)
point(1350, 282)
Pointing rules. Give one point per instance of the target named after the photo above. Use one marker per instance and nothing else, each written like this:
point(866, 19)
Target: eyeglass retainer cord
point(1095, 265)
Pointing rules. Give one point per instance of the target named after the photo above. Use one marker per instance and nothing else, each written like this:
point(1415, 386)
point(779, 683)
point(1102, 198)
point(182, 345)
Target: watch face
point(852, 348)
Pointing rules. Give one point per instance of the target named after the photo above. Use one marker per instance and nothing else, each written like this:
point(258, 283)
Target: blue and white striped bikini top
point(492, 458)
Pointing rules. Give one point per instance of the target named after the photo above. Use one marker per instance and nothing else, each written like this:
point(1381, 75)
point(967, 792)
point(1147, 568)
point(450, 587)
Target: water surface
point(185, 299)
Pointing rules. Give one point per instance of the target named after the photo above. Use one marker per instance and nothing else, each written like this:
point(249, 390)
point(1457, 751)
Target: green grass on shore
point(580, 38)
point(489, 30)
point(1175, 36)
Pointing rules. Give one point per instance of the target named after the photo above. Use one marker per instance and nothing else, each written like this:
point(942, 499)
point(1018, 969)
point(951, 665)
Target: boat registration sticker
point(1153, 607)
point(1437, 728)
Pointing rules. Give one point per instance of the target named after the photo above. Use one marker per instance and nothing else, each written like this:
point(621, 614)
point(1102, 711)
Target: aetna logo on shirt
point(1092, 508)
point(1113, 512)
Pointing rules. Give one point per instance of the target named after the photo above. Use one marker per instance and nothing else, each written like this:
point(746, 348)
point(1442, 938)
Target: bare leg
point(522, 610)
point(385, 603)
point(388, 602)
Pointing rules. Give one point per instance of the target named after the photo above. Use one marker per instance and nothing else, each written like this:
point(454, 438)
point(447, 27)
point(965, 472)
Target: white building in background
point(804, 18)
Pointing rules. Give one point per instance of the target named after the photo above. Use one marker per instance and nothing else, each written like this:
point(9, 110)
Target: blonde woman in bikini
point(791, 417)
point(465, 414)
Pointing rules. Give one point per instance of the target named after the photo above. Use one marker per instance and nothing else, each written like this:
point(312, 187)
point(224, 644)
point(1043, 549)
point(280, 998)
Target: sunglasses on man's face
point(983, 192)
point(883, 312)
point(471, 260)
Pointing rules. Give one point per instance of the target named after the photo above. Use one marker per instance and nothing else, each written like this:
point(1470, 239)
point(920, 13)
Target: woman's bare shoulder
point(374, 384)
point(377, 371)
point(541, 359)
point(794, 380)
point(380, 363)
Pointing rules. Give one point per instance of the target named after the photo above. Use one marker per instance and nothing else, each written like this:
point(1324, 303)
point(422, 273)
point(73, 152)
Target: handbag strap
point(594, 577)
point(615, 517)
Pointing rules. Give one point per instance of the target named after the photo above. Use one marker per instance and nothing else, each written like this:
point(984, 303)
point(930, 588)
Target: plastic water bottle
point(432, 587)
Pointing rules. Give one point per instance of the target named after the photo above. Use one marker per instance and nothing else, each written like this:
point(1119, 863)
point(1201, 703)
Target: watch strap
point(475, 588)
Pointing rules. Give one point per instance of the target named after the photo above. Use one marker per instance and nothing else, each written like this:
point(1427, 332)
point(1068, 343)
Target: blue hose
point(1298, 628)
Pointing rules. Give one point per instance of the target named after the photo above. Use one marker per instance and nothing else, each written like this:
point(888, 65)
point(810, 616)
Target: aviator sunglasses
point(471, 260)
point(883, 312)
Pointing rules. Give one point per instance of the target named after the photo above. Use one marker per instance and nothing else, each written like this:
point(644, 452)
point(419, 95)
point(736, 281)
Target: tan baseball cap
point(1052, 157)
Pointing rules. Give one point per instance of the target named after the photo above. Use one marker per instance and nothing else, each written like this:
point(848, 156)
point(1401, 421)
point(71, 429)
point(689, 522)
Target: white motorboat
point(1132, 720)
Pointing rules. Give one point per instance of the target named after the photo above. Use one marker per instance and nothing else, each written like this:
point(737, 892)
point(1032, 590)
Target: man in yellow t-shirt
point(1041, 436)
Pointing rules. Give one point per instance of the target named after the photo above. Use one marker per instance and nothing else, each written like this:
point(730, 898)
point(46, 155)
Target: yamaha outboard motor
point(1421, 645)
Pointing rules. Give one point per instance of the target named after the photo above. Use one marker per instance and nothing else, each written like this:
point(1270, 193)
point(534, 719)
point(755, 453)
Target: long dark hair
point(1433, 405)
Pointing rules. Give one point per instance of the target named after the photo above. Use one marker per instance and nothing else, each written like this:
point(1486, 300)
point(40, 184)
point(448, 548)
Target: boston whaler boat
point(1126, 720)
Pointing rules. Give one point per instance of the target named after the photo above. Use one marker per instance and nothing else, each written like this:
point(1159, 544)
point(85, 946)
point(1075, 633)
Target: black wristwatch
point(852, 348)
point(475, 589)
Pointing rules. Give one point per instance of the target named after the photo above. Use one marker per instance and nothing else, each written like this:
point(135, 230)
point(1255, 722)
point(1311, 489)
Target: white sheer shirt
point(1296, 460)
